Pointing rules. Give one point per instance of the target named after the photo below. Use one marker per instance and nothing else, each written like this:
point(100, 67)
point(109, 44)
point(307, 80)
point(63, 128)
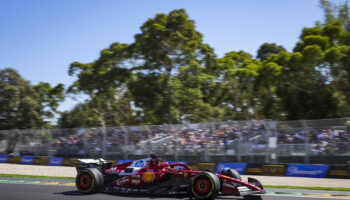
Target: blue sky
point(40, 38)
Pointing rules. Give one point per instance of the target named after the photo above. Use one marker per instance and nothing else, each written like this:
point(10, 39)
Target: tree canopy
point(169, 75)
point(23, 105)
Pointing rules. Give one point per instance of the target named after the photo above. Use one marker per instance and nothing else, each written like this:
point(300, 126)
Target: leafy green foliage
point(80, 116)
point(268, 49)
point(168, 75)
point(49, 98)
point(174, 77)
point(23, 105)
point(167, 45)
point(103, 81)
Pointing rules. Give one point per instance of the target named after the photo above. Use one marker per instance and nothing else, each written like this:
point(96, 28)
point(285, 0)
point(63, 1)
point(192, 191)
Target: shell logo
point(148, 177)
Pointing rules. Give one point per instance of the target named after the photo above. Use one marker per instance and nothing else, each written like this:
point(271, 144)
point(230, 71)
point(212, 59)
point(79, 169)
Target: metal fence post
point(3, 142)
point(104, 138)
point(347, 129)
point(126, 142)
point(148, 139)
point(85, 143)
point(306, 142)
point(207, 135)
point(21, 140)
point(66, 146)
point(34, 134)
point(239, 156)
point(271, 127)
point(348, 135)
point(268, 149)
point(275, 130)
point(176, 156)
point(49, 142)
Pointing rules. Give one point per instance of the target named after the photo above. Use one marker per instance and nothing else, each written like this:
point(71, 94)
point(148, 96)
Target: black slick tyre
point(89, 181)
point(205, 185)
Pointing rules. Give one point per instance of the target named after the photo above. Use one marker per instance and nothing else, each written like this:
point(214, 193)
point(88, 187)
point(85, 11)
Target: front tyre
point(89, 181)
point(205, 185)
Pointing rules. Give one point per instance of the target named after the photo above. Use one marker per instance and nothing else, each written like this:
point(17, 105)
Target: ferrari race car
point(151, 176)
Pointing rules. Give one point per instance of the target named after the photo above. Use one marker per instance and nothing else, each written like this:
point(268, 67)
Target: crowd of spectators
point(247, 138)
point(319, 141)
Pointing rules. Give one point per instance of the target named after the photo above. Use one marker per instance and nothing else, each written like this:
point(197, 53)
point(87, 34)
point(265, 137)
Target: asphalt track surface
point(10, 191)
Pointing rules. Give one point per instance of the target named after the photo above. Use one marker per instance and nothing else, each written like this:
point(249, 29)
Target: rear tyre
point(205, 185)
point(232, 173)
point(89, 181)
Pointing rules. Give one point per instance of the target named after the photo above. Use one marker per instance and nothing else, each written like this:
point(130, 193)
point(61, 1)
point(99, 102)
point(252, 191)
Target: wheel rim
point(202, 186)
point(85, 181)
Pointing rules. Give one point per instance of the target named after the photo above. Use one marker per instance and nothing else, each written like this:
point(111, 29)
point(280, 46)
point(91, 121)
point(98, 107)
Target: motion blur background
point(262, 142)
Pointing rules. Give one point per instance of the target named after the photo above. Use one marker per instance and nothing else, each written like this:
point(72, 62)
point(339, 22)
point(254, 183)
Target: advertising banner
point(274, 170)
point(194, 167)
point(14, 159)
point(205, 166)
point(239, 167)
point(4, 158)
point(253, 169)
point(69, 162)
point(313, 171)
point(338, 171)
point(41, 160)
point(28, 160)
point(55, 161)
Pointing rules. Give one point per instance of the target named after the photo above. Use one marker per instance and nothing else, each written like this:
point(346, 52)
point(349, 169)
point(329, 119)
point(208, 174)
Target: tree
point(312, 81)
point(265, 85)
point(49, 98)
point(197, 94)
point(268, 49)
point(166, 43)
point(238, 75)
point(168, 75)
point(80, 116)
point(336, 11)
point(23, 106)
point(104, 81)
point(302, 89)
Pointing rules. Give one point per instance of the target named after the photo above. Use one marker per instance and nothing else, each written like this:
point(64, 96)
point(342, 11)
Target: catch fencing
point(254, 141)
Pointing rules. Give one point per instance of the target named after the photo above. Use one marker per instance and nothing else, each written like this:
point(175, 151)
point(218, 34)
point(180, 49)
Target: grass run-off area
point(33, 176)
point(265, 186)
point(307, 187)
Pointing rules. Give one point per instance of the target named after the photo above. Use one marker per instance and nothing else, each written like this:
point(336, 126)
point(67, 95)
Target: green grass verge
point(307, 187)
point(33, 176)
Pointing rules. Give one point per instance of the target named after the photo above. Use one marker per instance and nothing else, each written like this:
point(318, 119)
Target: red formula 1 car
point(151, 176)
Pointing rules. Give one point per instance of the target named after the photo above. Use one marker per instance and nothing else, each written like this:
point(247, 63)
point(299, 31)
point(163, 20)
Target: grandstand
point(253, 141)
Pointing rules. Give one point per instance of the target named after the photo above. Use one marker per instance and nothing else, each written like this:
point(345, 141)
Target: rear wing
point(99, 163)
